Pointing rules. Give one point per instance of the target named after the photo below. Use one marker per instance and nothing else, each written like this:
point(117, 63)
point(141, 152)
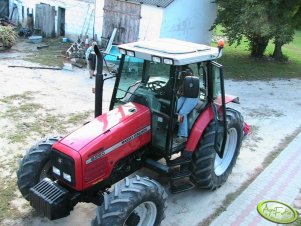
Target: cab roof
point(180, 52)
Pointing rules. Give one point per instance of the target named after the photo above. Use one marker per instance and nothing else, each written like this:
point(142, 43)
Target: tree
point(286, 18)
point(260, 21)
point(248, 18)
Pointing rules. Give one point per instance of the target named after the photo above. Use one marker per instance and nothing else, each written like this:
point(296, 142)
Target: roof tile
point(159, 3)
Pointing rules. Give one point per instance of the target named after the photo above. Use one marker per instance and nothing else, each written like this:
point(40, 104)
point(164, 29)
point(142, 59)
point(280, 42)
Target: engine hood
point(101, 125)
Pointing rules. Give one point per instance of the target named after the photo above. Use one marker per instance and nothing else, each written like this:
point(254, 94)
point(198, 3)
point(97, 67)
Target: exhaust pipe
point(98, 82)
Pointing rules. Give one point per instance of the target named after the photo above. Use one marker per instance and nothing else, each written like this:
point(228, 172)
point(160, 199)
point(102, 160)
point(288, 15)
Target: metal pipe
point(117, 81)
point(225, 134)
point(98, 82)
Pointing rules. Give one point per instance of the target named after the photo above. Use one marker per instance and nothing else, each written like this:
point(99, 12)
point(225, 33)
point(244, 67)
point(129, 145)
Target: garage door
point(124, 16)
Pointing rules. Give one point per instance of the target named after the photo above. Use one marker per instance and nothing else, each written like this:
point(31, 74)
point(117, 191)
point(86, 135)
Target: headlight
point(67, 177)
point(63, 167)
point(130, 53)
point(156, 59)
point(122, 51)
point(56, 171)
point(168, 61)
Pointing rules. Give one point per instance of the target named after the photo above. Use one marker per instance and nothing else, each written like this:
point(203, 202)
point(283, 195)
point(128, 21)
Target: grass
point(74, 118)
point(29, 120)
point(7, 191)
point(50, 56)
point(33, 119)
point(10, 99)
point(239, 65)
point(8, 188)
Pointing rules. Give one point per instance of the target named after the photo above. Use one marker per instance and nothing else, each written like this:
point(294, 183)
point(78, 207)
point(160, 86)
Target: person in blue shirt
point(91, 59)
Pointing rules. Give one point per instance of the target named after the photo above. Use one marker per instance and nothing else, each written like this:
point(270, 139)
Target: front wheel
point(35, 165)
point(208, 169)
point(138, 201)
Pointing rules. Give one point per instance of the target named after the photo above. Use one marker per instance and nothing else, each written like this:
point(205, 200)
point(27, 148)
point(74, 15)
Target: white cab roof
point(180, 52)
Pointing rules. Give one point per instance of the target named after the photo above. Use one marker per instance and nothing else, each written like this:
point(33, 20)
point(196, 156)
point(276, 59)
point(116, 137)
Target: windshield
point(143, 74)
point(157, 79)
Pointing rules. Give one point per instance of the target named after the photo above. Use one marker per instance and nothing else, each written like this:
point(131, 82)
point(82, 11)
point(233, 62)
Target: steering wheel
point(155, 85)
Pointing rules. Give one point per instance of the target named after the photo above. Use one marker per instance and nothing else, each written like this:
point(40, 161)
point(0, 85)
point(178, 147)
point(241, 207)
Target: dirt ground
point(37, 103)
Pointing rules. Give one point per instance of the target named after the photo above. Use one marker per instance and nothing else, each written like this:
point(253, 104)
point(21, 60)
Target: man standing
point(91, 59)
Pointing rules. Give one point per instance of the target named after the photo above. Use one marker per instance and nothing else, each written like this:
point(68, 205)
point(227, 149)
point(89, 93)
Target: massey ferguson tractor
point(138, 131)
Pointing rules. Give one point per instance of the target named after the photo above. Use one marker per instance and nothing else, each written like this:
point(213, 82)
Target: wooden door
point(45, 20)
point(4, 8)
point(61, 22)
point(124, 16)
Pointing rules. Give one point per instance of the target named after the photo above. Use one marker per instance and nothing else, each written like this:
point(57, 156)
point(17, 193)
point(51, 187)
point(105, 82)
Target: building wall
point(189, 20)
point(150, 23)
point(77, 15)
point(80, 18)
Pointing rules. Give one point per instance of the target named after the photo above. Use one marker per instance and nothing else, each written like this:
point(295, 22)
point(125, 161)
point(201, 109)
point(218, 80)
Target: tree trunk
point(258, 45)
point(277, 54)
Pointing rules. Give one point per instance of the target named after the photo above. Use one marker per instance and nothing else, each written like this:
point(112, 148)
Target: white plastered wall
point(77, 15)
point(189, 20)
point(150, 23)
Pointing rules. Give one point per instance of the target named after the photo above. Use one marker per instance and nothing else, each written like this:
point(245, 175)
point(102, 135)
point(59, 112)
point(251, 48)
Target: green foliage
point(51, 56)
point(283, 15)
point(259, 21)
point(248, 19)
point(239, 65)
point(7, 36)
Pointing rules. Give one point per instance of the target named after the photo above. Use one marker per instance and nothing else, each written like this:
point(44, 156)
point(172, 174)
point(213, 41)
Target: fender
point(199, 127)
point(203, 121)
point(228, 99)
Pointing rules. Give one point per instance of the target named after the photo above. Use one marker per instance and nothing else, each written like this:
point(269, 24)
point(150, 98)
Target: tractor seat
point(200, 105)
point(193, 115)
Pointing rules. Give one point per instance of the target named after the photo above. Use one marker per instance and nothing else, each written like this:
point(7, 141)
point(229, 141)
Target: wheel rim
point(143, 215)
point(221, 165)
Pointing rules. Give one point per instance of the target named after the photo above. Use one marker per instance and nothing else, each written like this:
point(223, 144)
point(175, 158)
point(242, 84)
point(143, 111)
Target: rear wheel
point(138, 201)
point(35, 165)
point(208, 169)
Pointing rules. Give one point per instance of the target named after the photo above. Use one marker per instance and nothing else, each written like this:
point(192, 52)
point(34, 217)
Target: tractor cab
point(152, 73)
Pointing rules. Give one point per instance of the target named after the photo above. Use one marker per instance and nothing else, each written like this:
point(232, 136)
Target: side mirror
point(191, 86)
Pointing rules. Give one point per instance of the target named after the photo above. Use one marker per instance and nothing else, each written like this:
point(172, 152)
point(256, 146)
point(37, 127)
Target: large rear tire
point(208, 170)
point(138, 201)
point(35, 165)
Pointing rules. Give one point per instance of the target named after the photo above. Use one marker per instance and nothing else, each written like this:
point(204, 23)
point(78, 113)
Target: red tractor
point(139, 131)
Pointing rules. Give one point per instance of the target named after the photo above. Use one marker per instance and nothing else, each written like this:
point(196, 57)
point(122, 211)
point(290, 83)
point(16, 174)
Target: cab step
point(181, 187)
point(179, 175)
point(179, 161)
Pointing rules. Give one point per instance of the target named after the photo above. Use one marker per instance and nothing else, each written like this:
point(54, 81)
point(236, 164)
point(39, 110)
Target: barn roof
point(159, 3)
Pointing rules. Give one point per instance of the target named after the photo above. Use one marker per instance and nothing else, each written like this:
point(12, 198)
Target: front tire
point(208, 170)
point(35, 165)
point(138, 201)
